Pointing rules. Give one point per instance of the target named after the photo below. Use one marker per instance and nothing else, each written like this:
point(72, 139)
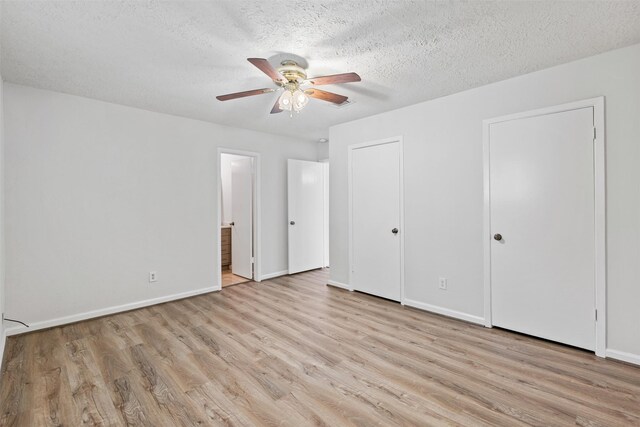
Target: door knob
point(394, 231)
point(498, 236)
point(232, 223)
point(292, 222)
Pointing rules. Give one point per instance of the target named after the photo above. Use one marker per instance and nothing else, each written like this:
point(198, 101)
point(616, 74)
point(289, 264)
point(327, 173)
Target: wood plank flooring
point(230, 279)
point(294, 352)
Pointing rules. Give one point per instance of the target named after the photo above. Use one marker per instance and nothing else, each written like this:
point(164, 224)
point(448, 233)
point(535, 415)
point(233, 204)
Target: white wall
point(323, 150)
point(443, 183)
point(98, 195)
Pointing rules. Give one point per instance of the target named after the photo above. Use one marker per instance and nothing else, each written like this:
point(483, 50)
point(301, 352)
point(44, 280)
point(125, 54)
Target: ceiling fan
point(292, 78)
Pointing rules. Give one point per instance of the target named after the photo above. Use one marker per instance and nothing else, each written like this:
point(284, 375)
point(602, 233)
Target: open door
point(306, 215)
point(325, 167)
point(242, 217)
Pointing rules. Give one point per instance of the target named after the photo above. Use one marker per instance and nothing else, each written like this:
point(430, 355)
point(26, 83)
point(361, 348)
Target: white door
point(242, 216)
point(542, 226)
point(306, 215)
point(375, 220)
point(325, 169)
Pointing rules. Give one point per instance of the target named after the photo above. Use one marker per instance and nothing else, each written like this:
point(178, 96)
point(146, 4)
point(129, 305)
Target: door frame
point(351, 149)
point(257, 219)
point(599, 189)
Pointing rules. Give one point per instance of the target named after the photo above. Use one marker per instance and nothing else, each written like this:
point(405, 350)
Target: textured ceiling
point(174, 57)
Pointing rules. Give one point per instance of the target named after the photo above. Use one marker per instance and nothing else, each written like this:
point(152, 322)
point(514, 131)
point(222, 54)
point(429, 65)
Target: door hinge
point(253, 260)
point(595, 314)
point(595, 134)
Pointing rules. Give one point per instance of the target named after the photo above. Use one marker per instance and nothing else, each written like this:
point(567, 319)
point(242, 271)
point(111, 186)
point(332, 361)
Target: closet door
point(542, 226)
point(306, 215)
point(375, 220)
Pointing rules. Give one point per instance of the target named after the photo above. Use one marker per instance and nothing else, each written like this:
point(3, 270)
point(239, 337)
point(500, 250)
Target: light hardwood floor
point(230, 279)
point(294, 352)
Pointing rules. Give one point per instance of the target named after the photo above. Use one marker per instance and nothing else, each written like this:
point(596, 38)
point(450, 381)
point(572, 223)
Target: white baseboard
point(444, 311)
point(339, 285)
point(273, 275)
point(105, 311)
point(624, 356)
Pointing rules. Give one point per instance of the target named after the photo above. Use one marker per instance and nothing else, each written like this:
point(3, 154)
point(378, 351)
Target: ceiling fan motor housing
point(292, 72)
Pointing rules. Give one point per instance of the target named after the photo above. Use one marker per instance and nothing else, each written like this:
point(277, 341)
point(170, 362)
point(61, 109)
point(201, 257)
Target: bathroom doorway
point(237, 213)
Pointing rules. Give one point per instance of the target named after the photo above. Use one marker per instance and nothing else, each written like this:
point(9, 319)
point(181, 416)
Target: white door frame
point(351, 148)
point(257, 219)
point(600, 210)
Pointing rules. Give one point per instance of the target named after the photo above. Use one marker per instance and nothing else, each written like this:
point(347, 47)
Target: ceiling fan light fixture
point(293, 99)
point(300, 100)
point(285, 101)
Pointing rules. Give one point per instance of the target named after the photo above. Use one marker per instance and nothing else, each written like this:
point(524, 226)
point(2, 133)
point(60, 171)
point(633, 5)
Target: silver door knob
point(394, 231)
point(292, 222)
point(498, 237)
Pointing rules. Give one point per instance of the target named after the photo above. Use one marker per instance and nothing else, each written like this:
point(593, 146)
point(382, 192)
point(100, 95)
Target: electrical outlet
point(442, 284)
point(153, 277)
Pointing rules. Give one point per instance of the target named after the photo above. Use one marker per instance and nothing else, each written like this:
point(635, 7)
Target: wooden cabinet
point(225, 243)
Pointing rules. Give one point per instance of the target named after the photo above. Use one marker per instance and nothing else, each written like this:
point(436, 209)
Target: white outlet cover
point(152, 276)
point(442, 283)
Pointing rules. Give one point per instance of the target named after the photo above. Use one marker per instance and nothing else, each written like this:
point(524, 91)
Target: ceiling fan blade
point(326, 96)
point(243, 94)
point(264, 66)
point(276, 107)
point(335, 78)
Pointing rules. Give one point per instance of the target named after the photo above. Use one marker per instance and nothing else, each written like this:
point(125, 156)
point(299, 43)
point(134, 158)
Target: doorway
point(544, 224)
point(237, 217)
point(376, 232)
